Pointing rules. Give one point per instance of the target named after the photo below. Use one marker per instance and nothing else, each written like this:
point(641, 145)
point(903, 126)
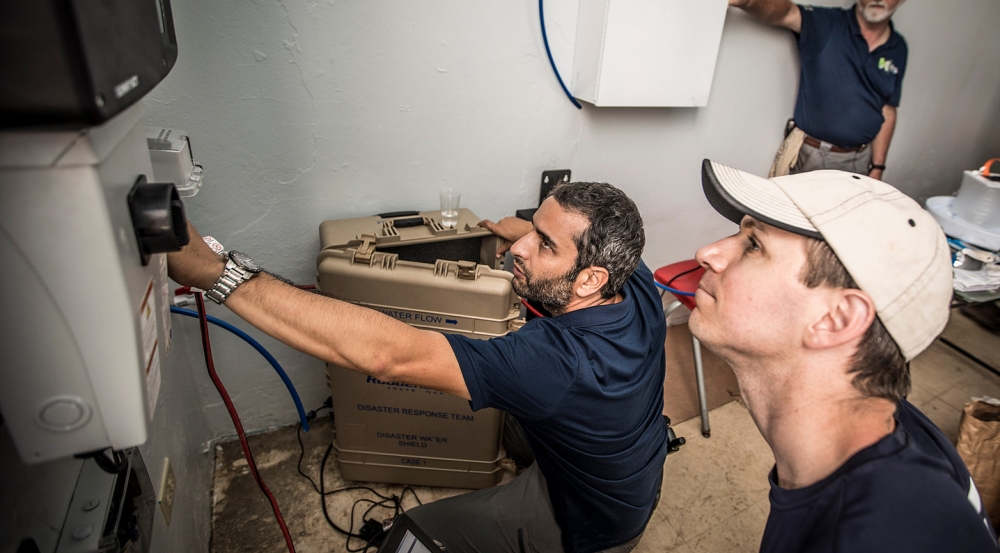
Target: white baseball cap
point(893, 249)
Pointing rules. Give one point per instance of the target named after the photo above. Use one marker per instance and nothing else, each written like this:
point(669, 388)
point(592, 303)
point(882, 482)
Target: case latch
point(467, 270)
point(365, 250)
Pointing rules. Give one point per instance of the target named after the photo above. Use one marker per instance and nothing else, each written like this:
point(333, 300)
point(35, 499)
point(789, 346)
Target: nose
point(712, 257)
point(519, 248)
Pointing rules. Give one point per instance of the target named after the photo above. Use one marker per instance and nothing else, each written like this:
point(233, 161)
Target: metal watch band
point(232, 276)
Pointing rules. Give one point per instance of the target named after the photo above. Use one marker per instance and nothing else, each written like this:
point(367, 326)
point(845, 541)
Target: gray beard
point(876, 17)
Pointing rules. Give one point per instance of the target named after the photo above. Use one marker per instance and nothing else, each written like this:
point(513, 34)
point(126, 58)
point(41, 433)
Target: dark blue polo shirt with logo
point(587, 388)
point(843, 86)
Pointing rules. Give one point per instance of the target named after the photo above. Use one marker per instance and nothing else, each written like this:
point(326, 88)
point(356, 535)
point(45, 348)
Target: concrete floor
point(242, 519)
point(714, 492)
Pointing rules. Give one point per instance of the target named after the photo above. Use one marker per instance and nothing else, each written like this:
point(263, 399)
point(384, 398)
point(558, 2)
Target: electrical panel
point(86, 322)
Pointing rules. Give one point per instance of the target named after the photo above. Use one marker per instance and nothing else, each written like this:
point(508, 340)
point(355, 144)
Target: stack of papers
point(987, 278)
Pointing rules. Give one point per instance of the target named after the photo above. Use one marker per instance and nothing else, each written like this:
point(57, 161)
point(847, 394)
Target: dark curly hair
point(615, 238)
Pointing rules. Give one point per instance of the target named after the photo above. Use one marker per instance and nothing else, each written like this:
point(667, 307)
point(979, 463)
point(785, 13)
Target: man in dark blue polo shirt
point(819, 325)
point(853, 63)
point(585, 383)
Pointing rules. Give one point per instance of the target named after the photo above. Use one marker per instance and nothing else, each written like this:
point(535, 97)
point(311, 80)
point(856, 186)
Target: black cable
point(302, 452)
point(120, 463)
point(116, 465)
point(328, 404)
point(393, 501)
point(322, 496)
point(678, 275)
point(369, 544)
point(412, 491)
point(375, 504)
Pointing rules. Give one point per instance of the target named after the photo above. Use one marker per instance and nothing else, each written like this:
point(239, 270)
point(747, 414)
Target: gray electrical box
point(87, 322)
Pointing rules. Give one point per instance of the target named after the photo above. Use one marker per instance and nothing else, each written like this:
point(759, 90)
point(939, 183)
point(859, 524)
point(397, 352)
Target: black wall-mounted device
point(78, 63)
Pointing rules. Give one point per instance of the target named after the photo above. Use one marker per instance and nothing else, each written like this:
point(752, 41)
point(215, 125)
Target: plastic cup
point(449, 207)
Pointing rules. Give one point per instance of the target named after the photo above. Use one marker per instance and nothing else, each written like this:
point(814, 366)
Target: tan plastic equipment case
point(397, 433)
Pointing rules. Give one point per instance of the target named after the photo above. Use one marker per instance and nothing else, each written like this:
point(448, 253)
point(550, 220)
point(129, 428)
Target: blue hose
point(545, 39)
point(256, 345)
point(673, 291)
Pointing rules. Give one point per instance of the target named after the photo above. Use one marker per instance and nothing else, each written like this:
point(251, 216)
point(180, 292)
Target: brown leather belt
point(817, 144)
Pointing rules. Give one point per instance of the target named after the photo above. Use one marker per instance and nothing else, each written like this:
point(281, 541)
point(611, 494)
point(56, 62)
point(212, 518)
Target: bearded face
point(553, 293)
point(878, 11)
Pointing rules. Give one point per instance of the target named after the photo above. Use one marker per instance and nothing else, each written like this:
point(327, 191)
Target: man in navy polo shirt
point(586, 383)
point(819, 323)
point(853, 63)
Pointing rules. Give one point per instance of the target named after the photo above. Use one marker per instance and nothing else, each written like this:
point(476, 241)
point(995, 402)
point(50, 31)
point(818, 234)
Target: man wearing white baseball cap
point(834, 282)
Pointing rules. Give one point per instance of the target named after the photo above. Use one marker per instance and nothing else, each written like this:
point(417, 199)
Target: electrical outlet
point(168, 485)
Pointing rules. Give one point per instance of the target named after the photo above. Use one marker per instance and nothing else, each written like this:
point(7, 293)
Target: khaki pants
point(795, 156)
point(811, 158)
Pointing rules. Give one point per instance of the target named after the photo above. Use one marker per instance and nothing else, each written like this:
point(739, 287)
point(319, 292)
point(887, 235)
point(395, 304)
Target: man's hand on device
point(510, 229)
point(196, 264)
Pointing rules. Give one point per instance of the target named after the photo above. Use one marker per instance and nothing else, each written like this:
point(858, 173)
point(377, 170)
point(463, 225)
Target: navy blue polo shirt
point(910, 491)
point(843, 86)
point(587, 387)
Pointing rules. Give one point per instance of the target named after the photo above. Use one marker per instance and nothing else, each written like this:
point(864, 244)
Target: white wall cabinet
point(647, 53)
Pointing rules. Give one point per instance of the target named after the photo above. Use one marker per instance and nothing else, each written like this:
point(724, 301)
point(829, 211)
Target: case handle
point(394, 214)
point(410, 222)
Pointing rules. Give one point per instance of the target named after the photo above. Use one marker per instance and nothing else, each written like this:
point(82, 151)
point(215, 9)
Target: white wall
point(948, 120)
point(311, 111)
point(304, 111)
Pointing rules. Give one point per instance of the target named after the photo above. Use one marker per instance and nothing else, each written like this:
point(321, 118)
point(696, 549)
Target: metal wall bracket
point(550, 179)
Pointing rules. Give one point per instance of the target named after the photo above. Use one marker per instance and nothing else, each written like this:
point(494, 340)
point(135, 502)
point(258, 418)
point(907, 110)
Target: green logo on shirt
point(887, 66)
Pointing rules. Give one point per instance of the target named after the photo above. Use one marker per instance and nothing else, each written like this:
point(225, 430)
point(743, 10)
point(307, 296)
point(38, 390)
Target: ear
point(849, 315)
point(590, 281)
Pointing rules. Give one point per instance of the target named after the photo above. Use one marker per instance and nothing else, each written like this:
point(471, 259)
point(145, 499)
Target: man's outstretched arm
point(348, 335)
point(782, 13)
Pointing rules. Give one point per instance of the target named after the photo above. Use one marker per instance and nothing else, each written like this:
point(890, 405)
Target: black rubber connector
point(158, 218)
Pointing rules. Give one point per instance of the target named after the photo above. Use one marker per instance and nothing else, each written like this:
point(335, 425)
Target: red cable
point(532, 309)
point(203, 323)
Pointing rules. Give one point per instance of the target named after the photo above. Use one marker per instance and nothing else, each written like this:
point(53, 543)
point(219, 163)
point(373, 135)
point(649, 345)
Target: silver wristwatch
point(239, 269)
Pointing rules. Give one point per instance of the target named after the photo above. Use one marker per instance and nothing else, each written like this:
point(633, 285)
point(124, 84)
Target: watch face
point(244, 261)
